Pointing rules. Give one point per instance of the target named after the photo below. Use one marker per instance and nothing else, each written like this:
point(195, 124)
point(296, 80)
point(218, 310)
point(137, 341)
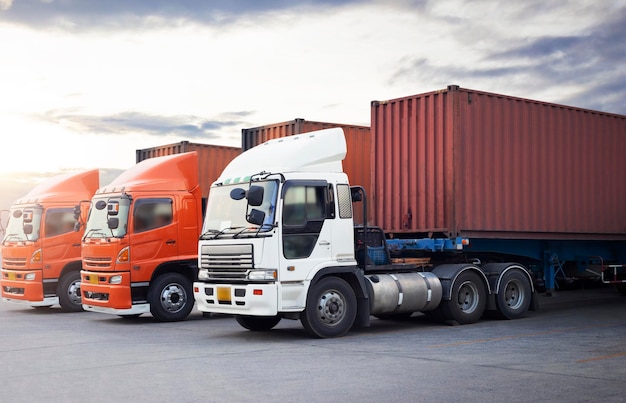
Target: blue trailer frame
point(606, 259)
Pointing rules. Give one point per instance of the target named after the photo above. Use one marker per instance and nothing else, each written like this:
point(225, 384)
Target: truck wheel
point(68, 291)
point(330, 308)
point(514, 295)
point(257, 323)
point(395, 316)
point(468, 299)
point(170, 297)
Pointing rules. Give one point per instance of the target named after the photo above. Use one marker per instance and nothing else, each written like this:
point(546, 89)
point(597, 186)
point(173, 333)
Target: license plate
point(11, 276)
point(93, 279)
point(223, 294)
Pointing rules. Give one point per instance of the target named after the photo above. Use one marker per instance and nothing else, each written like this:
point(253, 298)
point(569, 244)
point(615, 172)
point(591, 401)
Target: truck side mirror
point(77, 212)
point(113, 222)
point(255, 195)
point(256, 217)
point(237, 194)
point(28, 229)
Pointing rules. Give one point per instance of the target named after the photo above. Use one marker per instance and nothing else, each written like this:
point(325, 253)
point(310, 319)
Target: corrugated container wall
point(476, 164)
point(356, 163)
point(212, 159)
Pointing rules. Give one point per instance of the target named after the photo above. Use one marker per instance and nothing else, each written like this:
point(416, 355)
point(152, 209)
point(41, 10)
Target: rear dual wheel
point(514, 295)
point(468, 299)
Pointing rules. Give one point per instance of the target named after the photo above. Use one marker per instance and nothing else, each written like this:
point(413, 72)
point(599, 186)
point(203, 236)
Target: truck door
point(306, 235)
point(60, 243)
point(154, 236)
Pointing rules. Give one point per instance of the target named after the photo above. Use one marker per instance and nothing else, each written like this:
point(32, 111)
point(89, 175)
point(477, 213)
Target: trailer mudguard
point(447, 274)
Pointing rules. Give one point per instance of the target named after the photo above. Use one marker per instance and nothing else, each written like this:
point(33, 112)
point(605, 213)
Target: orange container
point(212, 159)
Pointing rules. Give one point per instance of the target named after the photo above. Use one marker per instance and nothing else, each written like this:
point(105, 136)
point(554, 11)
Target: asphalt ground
point(572, 350)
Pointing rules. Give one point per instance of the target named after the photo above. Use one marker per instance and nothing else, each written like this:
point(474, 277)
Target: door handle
point(170, 241)
point(324, 243)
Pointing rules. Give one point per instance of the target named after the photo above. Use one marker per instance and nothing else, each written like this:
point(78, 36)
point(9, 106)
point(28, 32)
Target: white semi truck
point(279, 241)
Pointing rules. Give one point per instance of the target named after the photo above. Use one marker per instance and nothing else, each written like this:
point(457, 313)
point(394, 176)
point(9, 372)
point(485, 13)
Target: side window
point(59, 221)
point(149, 214)
point(304, 210)
point(303, 204)
point(345, 201)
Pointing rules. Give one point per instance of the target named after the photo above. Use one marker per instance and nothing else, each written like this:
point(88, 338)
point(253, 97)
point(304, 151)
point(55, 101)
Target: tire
point(514, 295)
point(170, 297)
point(330, 308)
point(257, 323)
point(128, 317)
point(435, 315)
point(468, 299)
point(395, 316)
point(69, 293)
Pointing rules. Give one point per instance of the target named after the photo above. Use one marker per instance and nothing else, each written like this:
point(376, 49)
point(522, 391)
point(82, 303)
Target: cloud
point(5, 4)
point(186, 126)
point(84, 14)
point(530, 52)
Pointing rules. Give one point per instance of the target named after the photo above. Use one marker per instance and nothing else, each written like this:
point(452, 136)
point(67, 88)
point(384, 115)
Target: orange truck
point(41, 257)
point(140, 247)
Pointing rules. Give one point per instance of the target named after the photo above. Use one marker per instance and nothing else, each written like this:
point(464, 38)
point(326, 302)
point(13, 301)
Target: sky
point(85, 83)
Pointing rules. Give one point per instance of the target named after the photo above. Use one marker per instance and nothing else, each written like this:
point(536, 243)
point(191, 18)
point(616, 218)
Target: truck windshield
point(24, 224)
point(108, 217)
point(227, 217)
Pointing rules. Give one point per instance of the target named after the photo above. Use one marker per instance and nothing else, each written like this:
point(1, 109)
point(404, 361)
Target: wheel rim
point(73, 292)
point(173, 297)
point(514, 294)
point(468, 297)
point(331, 307)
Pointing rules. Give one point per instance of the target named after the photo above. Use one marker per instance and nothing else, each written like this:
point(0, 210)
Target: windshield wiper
point(218, 233)
point(9, 236)
point(95, 231)
point(206, 234)
point(256, 230)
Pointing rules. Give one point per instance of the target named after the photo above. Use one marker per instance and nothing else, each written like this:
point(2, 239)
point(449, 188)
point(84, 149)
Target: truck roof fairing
point(177, 172)
point(69, 187)
point(317, 151)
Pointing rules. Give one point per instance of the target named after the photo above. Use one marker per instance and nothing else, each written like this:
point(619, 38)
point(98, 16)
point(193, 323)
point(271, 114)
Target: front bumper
point(237, 299)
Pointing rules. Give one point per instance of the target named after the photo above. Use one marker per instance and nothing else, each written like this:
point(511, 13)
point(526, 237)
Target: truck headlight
point(29, 276)
point(203, 274)
point(262, 275)
point(117, 279)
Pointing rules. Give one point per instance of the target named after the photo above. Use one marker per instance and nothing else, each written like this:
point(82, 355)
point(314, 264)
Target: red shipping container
point(212, 159)
point(356, 163)
point(477, 164)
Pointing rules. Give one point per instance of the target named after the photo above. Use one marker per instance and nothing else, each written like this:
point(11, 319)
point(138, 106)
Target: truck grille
point(96, 262)
point(14, 263)
point(227, 262)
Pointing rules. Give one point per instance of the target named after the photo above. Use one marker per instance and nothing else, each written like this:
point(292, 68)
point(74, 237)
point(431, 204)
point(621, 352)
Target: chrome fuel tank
point(403, 292)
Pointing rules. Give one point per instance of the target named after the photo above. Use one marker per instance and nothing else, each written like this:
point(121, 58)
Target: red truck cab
point(139, 250)
point(41, 258)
